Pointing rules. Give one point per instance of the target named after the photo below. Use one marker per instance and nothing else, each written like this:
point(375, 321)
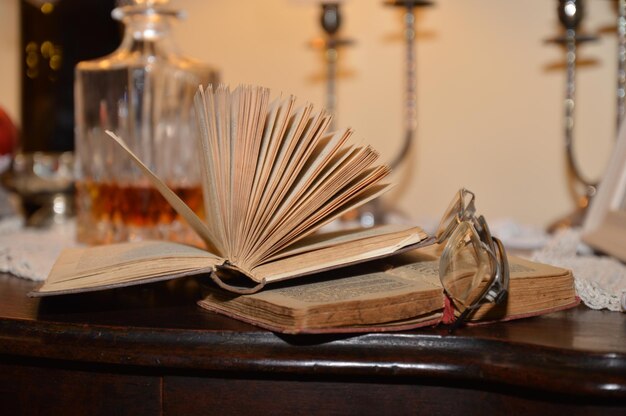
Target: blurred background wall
point(489, 90)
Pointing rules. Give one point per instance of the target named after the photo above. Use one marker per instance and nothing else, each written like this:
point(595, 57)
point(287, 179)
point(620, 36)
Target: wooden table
point(151, 350)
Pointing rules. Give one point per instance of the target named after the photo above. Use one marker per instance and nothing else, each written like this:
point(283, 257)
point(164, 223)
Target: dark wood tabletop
point(573, 360)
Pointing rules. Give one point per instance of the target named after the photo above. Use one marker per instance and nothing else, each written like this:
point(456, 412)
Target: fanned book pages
point(272, 177)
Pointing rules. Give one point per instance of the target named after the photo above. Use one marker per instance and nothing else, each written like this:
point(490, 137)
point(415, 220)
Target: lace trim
point(30, 253)
point(600, 281)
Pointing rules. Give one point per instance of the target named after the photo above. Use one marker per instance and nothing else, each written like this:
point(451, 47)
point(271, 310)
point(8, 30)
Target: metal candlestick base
point(573, 220)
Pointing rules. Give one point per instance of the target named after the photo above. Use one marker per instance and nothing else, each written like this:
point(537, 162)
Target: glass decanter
point(144, 93)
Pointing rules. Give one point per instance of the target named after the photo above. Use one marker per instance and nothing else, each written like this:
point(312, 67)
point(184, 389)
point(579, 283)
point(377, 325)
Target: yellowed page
point(124, 264)
point(299, 195)
point(262, 171)
point(322, 154)
point(335, 238)
point(304, 144)
point(272, 228)
point(253, 106)
point(225, 126)
point(264, 194)
point(282, 194)
point(344, 169)
point(286, 143)
point(315, 216)
point(314, 201)
point(212, 170)
point(380, 243)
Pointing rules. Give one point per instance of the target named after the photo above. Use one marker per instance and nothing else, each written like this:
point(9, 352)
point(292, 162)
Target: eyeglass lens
point(459, 208)
point(466, 268)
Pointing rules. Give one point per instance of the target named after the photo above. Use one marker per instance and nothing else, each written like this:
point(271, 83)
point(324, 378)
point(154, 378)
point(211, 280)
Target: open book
point(396, 293)
point(272, 177)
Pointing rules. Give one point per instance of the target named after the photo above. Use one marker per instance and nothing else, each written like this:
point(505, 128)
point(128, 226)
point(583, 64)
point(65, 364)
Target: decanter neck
point(147, 27)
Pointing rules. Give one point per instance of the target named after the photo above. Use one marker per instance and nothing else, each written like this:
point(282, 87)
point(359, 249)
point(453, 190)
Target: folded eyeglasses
point(473, 267)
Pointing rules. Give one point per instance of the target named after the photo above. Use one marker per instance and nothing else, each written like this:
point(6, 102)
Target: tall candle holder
point(330, 20)
point(571, 14)
point(410, 92)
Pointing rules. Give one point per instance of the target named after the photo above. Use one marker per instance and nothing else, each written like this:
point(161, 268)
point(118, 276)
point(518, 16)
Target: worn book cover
point(395, 293)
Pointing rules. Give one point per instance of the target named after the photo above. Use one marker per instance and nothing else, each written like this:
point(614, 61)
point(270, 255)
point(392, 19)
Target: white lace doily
point(30, 252)
point(600, 281)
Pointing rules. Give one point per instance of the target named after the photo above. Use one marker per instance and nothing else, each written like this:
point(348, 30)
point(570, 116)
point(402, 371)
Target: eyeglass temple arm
point(460, 320)
point(504, 273)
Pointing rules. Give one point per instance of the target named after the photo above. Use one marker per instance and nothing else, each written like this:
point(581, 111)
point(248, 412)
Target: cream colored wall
point(489, 111)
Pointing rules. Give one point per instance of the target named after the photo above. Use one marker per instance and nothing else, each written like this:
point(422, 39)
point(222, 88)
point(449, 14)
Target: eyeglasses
point(473, 267)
